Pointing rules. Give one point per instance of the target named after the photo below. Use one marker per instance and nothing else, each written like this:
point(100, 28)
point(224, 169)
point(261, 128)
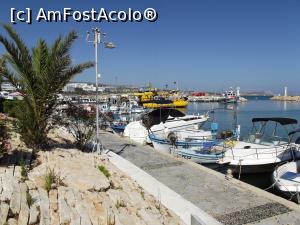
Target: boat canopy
point(294, 132)
point(282, 121)
point(159, 115)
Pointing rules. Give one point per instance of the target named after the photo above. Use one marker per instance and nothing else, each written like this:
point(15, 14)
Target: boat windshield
point(269, 132)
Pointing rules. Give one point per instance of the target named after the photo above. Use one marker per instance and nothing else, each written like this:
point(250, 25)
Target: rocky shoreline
point(67, 186)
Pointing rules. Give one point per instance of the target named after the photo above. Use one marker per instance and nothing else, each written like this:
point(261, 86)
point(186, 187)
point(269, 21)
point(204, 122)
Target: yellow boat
point(145, 96)
point(155, 100)
point(179, 103)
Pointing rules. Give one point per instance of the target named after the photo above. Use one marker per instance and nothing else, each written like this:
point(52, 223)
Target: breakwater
point(286, 98)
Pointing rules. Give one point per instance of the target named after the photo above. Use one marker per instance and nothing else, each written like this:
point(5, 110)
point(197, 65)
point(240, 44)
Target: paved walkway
point(229, 201)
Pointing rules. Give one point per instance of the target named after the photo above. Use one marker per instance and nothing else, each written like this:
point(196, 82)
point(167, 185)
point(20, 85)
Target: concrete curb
point(169, 198)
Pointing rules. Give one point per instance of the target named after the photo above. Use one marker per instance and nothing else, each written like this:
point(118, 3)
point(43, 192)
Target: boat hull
point(251, 169)
point(286, 179)
point(194, 151)
point(257, 159)
point(198, 157)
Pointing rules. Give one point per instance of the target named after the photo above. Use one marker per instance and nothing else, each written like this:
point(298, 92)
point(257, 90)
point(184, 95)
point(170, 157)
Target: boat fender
point(214, 127)
point(172, 138)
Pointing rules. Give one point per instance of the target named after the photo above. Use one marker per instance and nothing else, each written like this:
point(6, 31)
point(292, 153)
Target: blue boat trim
point(198, 143)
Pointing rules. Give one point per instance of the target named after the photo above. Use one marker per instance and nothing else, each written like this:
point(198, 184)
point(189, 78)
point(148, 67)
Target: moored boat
point(195, 146)
point(163, 103)
point(286, 178)
point(157, 121)
point(231, 96)
point(258, 153)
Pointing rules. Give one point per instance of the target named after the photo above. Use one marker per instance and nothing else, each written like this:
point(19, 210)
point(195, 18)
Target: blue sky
point(204, 45)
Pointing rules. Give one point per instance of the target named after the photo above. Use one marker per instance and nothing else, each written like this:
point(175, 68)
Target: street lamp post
point(97, 40)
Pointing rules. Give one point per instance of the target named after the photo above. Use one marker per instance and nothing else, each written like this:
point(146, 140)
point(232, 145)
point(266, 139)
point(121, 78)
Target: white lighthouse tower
point(238, 91)
point(285, 91)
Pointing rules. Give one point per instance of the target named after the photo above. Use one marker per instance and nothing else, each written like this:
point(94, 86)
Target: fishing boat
point(181, 138)
point(200, 155)
point(231, 96)
point(260, 152)
point(193, 145)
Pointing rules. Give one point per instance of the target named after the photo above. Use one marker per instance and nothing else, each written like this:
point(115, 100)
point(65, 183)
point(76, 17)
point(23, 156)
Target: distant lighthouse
point(238, 91)
point(285, 92)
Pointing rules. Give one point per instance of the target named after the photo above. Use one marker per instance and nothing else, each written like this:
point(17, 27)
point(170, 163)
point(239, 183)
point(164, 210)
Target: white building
point(70, 87)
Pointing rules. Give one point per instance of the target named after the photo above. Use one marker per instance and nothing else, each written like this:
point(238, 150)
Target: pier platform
point(227, 200)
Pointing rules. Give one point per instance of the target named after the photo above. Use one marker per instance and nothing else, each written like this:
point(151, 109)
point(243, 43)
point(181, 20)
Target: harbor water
point(227, 115)
point(262, 106)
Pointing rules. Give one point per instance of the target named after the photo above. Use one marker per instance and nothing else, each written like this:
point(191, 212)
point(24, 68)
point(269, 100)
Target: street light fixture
point(96, 39)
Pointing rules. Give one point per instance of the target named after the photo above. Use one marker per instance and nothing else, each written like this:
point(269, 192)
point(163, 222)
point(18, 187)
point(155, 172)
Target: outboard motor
point(172, 138)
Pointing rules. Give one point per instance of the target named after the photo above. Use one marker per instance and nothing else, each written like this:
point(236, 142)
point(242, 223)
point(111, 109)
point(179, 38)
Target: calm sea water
point(225, 115)
point(244, 112)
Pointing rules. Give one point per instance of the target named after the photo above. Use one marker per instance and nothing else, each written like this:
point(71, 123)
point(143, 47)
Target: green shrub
point(120, 203)
point(1, 103)
point(10, 107)
point(80, 124)
point(104, 171)
point(4, 138)
point(50, 179)
point(24, 172)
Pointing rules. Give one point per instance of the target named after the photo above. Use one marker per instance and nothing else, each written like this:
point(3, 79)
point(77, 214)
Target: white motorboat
point(157, 121)
point(259, 153)
point(286, 178)
point(160, 120)
point(179, 123)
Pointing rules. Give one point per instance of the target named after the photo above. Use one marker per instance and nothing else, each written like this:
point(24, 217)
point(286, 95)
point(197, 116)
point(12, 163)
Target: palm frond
point(39, 74)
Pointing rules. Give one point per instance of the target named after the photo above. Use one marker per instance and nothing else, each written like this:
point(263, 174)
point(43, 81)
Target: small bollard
point(228, 174)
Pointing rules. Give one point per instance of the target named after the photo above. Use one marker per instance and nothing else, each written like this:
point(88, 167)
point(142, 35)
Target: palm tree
point(39, 74)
